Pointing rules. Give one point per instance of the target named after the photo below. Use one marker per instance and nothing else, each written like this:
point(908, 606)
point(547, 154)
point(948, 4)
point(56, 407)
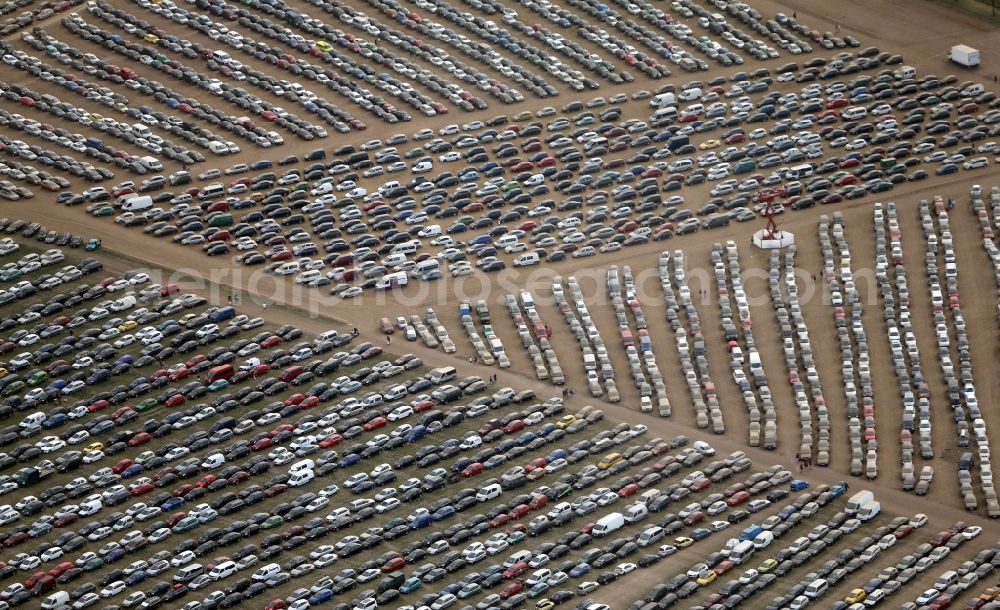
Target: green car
point(218, 384)
point(14, 388)
point(411, 584)
point(144, 457)
point(38, 378)
point(413, 154)
point(94, 564)
point(272, 522)
point(184, 525)
point(9, 275)
point(104, 211)
point(767, 566)
point(147, 404)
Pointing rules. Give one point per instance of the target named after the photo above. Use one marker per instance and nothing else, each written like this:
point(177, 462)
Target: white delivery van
point(763, 540)
point(213, 461)
point(223, 570)
point(301, 478)
point(409, 247)
point(858, 500)
point(650, 535)
point(816, 588)
point(267, 572)
point(392, 280)
point(305, 464)
point(56, 601)
point(489, 492)
point(189, 572)
point(135, 204)
point(608, 524)
point(869, 511)
point(526, 260)
point(423, 267)
point(635, 513)
point(663, 99)
point(742, 551)
point(396, 258)
point(215, 189)
point(694, 93)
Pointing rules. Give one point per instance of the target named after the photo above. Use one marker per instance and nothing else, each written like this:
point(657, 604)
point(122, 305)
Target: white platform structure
point(765, 240)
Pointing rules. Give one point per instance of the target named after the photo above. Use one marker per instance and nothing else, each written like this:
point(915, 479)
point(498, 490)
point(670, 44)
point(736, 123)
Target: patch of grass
point(982, 9)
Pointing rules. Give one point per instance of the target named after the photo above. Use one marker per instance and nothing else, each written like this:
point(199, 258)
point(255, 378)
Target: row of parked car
point(799, 359)
point(948, 317)
point(846, 307)
point(744, 359)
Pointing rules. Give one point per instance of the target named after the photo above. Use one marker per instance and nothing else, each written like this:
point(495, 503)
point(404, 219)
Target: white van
point(650, 535)
point(213, 461)
point(189, 572)
point(489, 492)
point(816, 588)
point(135, 204)
point(423, 267)
point(223, 570)
point(694, 93)
point(946, 580)
point(35, 419)
point(56, 601)
point(409, 247)
point(505, 240)
point(300, 478)
point(635, 513)
point(305, 464)
point(663, 99)
point(608, 524)
point(396, 258)
point(742, 551)
point(215, 189)
point(267, 572)
point(527, 260)
point(905, 72)
point(763, 540)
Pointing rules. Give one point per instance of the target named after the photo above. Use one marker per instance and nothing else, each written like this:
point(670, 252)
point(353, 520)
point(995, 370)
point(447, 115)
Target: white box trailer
point(964, 55)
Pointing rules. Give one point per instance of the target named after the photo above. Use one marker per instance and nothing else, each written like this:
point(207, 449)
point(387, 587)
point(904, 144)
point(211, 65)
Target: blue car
point(579, 570)
point(799, 485)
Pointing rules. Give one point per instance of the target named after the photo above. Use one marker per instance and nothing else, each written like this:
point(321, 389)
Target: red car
point(294, 399)
point(519, 511)
point(140, 439)
point(473, 469)
point(181, 373)
point(500, 520)
point(375, 424)
point(183, 490)
point(515, 426)
point(98, 405)
point(701, 484)
point(331, 441)
point(176, 400)
point(145, 488)
point(740, 497)
point(262, 444)
point(271, 341)
point(629, 490)
point(207, 480)
point(309, 402)
point(396, 563)
point(121, 466)
point(516, 570)
point(512, 589)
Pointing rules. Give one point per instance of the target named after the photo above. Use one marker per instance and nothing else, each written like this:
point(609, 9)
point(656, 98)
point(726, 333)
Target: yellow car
point(565, 421)
point(682, 542)
point(3, 371)
point(324, 46)
point(609, 460)
point(707, 578)
point(989, 594)
point(856, 596)
point(545, 604)
point(128, 325)
point(709, 144)
point(524, 115)
point(151, 38)
point(94, 447)
point(187, 318)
